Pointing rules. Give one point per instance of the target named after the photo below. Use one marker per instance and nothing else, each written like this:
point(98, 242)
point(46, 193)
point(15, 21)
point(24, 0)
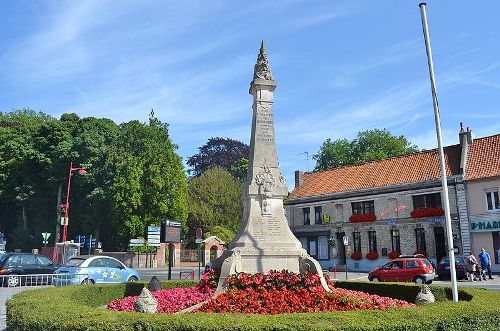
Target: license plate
point(447, 267)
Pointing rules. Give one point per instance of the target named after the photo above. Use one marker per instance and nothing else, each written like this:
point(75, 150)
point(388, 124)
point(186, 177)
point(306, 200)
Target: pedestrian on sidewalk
point(485, 260)
point(470, 263)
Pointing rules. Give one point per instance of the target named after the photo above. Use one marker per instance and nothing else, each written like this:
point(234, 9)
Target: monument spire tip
point(262, 70)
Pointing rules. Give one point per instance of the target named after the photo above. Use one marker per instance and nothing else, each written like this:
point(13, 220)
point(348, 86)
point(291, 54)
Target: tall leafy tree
point(368, 145)
point(222, 152)
point(149, 184)
point(214, 200)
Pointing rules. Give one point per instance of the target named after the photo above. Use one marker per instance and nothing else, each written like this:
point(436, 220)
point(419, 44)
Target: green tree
point(222, 233)
point(369, 145)
point(214, 200)
point(149, 183)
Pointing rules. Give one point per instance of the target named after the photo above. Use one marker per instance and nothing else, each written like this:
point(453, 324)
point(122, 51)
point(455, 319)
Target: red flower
point(356, 256)
point(427, 212)
point(357, 218)
point(372, 256)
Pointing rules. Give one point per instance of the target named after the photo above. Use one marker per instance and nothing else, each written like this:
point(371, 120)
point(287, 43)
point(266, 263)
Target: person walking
point(485, 260)
point(470, 263)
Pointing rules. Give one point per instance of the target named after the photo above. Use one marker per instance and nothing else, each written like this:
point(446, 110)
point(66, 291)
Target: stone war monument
point(264, 241)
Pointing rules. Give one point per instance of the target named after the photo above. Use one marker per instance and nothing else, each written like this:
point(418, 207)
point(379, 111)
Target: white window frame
point(491, 190)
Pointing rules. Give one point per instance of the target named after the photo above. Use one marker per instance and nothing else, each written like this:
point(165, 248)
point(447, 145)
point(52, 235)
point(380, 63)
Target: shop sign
point(484, 226)
point(436, 220)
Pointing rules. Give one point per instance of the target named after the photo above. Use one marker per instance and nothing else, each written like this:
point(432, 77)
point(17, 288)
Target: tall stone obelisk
point(264, 241)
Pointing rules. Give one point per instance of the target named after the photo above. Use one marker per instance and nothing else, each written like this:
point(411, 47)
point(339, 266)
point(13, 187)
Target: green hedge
point(74, 308)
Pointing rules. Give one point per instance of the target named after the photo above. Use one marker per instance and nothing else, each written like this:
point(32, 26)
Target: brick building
point(382, 206)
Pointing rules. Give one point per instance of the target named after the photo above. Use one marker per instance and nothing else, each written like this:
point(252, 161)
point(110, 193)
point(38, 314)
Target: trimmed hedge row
point(75, 308)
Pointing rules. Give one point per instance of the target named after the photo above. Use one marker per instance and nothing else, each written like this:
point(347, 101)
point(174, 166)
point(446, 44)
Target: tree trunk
point(25, 218)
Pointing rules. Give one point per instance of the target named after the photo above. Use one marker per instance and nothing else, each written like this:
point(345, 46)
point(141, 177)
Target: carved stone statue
point(145, 302)
point(424, 296)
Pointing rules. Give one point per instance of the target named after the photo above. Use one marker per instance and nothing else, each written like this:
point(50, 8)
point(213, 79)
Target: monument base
point(254, 260)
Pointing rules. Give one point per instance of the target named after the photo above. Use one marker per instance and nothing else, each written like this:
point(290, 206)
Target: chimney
point(299, 177)
point(466, 139)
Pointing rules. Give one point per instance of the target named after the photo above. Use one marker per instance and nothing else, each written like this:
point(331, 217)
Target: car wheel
point(375, 279)
point(428, 282)
point(13, 281)
point(87, 281)
point(132, 279)
point(419, 280)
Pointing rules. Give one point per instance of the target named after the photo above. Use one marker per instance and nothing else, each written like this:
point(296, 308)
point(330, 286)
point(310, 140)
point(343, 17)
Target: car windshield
point(74, 262)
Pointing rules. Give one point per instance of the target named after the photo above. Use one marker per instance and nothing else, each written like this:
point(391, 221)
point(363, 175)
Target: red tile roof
point(391, 171)
point(484, 158)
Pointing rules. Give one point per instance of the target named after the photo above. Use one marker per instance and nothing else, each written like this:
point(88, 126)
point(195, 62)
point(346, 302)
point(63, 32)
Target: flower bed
point(280, 292)
point(362, 218)
point(277, 292)
point(427, 212)
point(372, 256)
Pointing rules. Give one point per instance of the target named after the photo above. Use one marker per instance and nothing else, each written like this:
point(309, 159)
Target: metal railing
point(13, 284)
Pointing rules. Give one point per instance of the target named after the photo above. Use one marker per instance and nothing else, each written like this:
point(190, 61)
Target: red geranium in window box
point(372, 256)
point(427, 212)
point(421, 252)
point(394, 255)
point(356, 256)
point(356, 218)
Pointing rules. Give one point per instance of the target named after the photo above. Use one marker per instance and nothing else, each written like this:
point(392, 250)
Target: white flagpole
point(449, 236)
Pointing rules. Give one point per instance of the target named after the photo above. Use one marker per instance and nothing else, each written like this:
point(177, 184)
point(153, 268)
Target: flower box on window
point(427, 212)
point(394, 255)
point(356, 256)
point(357, 218)
point(372, 256)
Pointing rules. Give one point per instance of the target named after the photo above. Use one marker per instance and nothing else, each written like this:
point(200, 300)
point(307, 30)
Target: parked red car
point(404, 269)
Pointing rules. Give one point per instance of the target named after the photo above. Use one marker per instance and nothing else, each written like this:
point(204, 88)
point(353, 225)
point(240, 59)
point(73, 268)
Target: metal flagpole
point(449, 236)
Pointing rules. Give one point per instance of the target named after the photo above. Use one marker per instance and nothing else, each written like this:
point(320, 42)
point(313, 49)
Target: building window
point(372, 241)
point(313, 245)
point(363, 207)
point(306, 212)
point(318, 215)
point(420, 238)
point(427, 201)
point(396, 240)
point(492, 201)
point(323, 248)
point(357, 241)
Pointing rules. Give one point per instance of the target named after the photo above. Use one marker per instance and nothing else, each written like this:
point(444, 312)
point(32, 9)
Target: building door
point(440, 243)
point(496, 247)
point(341, 248)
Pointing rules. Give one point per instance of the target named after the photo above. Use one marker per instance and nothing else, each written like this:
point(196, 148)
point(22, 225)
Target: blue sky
point(341, 67)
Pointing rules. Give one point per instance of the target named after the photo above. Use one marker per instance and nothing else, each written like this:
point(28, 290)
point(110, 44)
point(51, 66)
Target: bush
point(74, 308)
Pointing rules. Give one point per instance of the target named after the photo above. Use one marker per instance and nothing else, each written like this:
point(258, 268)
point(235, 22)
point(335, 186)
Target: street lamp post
point(81, 171)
